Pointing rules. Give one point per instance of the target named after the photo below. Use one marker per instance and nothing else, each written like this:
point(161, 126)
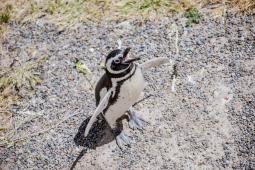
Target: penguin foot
point(135, 122)
point(123, 140)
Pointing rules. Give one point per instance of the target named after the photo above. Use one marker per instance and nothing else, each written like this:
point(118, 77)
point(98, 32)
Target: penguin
point(118, 90)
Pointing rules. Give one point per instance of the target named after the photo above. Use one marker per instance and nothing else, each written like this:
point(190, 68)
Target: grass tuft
point(193, 16)
point(52, 6)
point(5, 14)
point(21, 76)
point(81, 68)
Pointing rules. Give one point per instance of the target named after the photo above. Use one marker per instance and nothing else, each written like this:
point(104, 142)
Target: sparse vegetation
point(71, 11)
point(63, 12)
point(81, 68)
point(21, 76)
point(244, 5)
point(5, 14)
point(14, 80)
point(52, 6)
point(68, 12)
point(193, 16)
point(4, 17)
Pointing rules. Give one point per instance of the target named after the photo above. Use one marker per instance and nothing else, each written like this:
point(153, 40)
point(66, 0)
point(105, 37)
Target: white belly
point(130, 92)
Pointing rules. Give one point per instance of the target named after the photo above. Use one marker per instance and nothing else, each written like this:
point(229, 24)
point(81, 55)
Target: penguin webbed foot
point(135, 122)
point(123, 140)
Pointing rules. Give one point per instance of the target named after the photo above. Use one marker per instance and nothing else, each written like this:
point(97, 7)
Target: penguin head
point(119, 61)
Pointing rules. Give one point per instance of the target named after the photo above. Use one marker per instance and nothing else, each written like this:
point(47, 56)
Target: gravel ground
point(206, 122)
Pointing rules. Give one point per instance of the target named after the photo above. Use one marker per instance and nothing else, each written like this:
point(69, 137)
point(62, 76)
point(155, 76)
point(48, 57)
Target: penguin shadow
point(99, 134)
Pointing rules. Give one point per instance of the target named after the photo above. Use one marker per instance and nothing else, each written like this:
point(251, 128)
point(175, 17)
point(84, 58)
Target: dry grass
point(15, 81)
point(68, 12)
point(244, 5)
point(18, 76)
point(71, 11)
point(247, 6)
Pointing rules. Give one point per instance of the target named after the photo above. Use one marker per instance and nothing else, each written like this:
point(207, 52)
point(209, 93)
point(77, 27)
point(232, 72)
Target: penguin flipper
point(100, 108)
point(153, 63)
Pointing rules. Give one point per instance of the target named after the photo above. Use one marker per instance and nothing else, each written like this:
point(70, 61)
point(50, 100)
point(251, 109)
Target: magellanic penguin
point(119, 89)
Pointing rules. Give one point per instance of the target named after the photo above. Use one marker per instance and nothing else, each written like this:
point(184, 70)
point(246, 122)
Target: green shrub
point(5, 14)
point(193, 16)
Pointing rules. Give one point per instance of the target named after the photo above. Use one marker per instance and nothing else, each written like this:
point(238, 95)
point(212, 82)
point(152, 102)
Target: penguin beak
point(131, 60)
point(127, 59)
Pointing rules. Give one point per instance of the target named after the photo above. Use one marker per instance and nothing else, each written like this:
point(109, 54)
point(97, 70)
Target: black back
point(104, 82)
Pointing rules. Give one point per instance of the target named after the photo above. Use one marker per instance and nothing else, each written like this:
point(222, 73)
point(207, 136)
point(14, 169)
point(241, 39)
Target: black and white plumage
point(118, 89)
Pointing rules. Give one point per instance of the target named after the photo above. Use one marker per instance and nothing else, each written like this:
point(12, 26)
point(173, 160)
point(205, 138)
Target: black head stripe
point(122, 74)
point(113, 54)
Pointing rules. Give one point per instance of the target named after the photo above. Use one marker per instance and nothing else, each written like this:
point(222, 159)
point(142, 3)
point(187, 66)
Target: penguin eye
point(117, 61)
